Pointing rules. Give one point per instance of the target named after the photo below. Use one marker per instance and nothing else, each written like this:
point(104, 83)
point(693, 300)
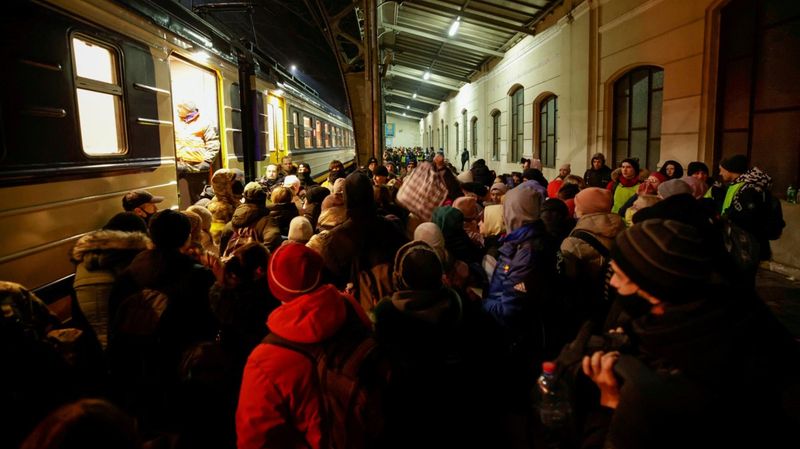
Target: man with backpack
point(748, 203)
point(302, 386)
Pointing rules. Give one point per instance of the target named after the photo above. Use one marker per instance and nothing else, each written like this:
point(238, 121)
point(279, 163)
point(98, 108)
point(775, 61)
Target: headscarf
point(493, 221)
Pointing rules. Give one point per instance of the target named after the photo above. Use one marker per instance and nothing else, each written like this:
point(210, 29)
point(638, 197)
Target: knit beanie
point(169, 229)
point(695, 167)
point(500, 187)
point(599, 156)
point(300, 230)
point(674, 187)
point(254, 193)
point(205, 216)
point(126, 222)
point(316, 194)
point(634, 162)
point(592, 200)
point(417, 267)
point(294, 270)
point(666, 258)
point(735, 164)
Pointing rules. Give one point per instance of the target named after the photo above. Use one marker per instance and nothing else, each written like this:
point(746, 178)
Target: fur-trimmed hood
point(101, 249)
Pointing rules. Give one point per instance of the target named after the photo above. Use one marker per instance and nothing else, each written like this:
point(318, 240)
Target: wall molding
point(628, 15)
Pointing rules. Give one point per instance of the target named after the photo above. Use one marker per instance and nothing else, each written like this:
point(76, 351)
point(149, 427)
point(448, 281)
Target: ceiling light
point(426, 75)
point(293, 68)
point(414, 96)
point(454, 27)
point(408, 106)
point(404, 114)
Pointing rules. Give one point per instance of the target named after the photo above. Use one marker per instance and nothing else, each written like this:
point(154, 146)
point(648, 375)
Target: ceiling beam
point(400, 114)
point(420, 98)
point(403, 107)
point(419, 78)
point(478, 19)
point(455, 83)
point(412, 31)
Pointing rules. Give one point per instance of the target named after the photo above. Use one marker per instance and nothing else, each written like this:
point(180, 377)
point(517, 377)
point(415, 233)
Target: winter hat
point(735, 164)
point(300, 230)
point(674, 187)
point(359, 197)
point(417, 266)
point(254, 193)
point(599, 156)
point(666, 258)
point(430, 233)
point(338, 186)
point(632, 161)
point(195, 221)
point(381, 171)
point(294, 270)
point(316, 194)
point(468, 206)
point(331, 217)
point(592, 200)
point(695, 167)
point(500, 187)
point(698, 187)
point(493, 221)
point(126, 222)
point(169, 229)
point(291, 181)
point(139, 198)
point(205, 216)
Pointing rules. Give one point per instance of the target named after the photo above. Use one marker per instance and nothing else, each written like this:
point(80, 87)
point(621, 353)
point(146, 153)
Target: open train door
point(195, 107)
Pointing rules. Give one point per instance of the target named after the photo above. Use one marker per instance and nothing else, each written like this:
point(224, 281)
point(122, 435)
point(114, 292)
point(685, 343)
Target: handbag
point(422, 191)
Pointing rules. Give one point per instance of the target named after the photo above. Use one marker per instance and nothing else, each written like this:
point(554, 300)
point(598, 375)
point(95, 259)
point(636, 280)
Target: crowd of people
point(238, 321)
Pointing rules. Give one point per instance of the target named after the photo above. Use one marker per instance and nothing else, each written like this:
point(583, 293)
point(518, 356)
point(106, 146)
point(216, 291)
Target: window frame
point(546, 154)
point(115, 90)
point(651, 160)
point(474, 131)
point(496, 116)
point(517, 127)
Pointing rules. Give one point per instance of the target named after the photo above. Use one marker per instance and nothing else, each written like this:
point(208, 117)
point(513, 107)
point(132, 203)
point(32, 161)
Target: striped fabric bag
point(422, 191)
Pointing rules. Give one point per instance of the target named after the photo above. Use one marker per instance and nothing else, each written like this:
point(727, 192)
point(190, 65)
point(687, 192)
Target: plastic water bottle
point(555, 410)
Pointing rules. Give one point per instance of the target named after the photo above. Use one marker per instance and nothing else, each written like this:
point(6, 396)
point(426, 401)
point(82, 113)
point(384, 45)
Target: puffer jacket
point(520, 285)
point(99, 257)
point(281, 215)
point(279, 406)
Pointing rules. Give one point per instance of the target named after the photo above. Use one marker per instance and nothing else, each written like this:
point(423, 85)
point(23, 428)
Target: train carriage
point(89, 110)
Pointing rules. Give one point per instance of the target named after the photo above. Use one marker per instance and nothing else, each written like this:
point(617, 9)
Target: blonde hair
point(281, 195)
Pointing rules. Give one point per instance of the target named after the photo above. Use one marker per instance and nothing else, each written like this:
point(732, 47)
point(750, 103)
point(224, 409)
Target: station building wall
point(578, 59)
point(406, 133)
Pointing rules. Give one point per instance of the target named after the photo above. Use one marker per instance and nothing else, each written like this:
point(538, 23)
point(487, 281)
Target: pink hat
point(592, 200)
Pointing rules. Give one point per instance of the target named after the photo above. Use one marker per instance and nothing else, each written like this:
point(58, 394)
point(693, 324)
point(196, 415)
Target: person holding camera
point(710, 366)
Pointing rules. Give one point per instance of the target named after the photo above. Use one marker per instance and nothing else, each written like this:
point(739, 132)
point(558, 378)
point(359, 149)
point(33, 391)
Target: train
point(89, 110)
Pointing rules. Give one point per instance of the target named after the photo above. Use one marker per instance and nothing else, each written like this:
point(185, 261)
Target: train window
point(308, 133)
point(294, 131)
point(318, 133)
point(99, 95)
point(327, 135)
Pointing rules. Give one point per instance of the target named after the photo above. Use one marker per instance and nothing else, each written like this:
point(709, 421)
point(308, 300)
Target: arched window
point(496, 135)
point(636, 131)
point(474, 132)
point(464, 126)
point(517, 123)
point(546, 142)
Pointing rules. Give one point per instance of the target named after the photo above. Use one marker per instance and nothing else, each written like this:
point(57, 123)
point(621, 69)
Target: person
point(745, 200)
point(626, 185)
point(555, 184)
point(270, 179)
point(667, 391)
point(372, 164)
point(464, 158)
point(99, 257)
point(280, 405)
point(250, 223)
point(141, 203)
point(86, 424)
point(287, 167)
point(598, 174)
point(671, 170)
point(196, 147)
point(304, 173)
point(335, 171)
point(197, 142)
point(698, 170)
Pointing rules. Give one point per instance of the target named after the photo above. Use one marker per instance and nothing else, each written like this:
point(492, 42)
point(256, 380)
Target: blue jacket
point(519, 287)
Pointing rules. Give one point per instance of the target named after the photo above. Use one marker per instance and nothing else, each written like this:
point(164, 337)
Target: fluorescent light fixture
point(414, 96)
point(454, 27)
point(426, 75)
point(277, 92)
